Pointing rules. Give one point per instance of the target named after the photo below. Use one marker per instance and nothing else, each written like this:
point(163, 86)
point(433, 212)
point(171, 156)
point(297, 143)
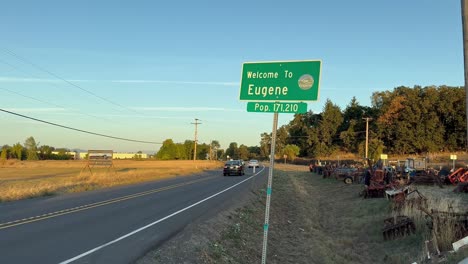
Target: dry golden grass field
point(27, 179)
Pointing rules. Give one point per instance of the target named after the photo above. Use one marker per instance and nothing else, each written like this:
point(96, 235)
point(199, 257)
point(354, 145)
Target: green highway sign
point(270, 107)
point(280, 81)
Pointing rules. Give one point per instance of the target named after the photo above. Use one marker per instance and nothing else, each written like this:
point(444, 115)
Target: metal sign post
point(270, 181)
point(267, 85)
point(453, 158)
point(99, 158)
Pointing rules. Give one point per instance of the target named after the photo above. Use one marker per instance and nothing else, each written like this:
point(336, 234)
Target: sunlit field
point(27, 179)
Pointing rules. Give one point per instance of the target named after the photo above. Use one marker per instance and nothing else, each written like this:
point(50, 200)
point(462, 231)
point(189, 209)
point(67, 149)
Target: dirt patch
point(312, 220)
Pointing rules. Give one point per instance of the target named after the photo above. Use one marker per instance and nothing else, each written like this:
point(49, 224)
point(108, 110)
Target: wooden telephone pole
point(367, 133)
point(195, 141)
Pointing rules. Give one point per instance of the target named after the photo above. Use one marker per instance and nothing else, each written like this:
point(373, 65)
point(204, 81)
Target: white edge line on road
point(156, 222)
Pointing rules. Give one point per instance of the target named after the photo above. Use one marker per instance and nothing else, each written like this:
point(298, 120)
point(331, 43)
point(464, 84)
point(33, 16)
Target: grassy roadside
point(28, 179)
point(314, 220)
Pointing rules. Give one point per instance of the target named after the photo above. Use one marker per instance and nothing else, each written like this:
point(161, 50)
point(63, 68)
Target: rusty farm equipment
point(398, 226)
point(443, 224)
point(427, 177)
point(376, 187)
point(460, 178)
point(377, 182)
point(348, 175)
point(401, 225)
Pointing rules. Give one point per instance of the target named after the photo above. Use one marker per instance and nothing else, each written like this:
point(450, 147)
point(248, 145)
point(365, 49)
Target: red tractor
point(459, 176)
point(375, 182)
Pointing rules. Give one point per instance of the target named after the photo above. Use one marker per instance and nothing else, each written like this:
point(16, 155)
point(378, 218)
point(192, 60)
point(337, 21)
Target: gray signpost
point(278, 82)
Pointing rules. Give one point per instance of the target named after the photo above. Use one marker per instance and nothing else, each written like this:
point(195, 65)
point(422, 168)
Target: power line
point(79, 130)
point(39, 100)
point(68, 82)
point(56, 105)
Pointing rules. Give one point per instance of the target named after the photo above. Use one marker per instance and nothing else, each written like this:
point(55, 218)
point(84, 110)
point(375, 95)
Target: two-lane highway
point(115, 225)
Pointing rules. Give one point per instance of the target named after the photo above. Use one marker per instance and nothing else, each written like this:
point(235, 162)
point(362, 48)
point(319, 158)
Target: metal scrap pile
point(441, 223)
point(429, 176)
point(402, 225)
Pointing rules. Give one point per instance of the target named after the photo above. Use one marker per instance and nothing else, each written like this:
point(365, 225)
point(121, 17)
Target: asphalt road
point(116, 225)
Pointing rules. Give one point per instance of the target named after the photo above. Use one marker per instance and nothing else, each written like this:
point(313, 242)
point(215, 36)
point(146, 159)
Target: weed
point(217, 250)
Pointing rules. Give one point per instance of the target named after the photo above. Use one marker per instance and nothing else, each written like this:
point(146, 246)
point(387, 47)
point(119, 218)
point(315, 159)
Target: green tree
point(254, 152)
point(214, 149)
point(45, 152)
point(348, 137)
point(181, 153)
point(375, 148)
point(331, 121)
point(31, 148)
point(450, 107)
point(314, 145)
point(298, 129)
point(232, 151)
point(291, 151)
point(244, 153)
point(220, 153)
point(352, 130)
point(409, 121)
point(17, 151)
point(203, 151)
point(265, 145)
point(167, 151)
point(189, 148)
point(5, 152)
point(282, 137)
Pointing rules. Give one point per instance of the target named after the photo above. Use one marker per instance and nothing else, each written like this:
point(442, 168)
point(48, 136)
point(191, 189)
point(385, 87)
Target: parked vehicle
point(233, 167)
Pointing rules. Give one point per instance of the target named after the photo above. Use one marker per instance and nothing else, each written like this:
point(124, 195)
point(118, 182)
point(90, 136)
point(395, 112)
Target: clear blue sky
point(168, 62)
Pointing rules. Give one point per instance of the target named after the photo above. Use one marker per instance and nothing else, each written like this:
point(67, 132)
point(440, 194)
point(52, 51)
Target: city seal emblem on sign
point(306, 82)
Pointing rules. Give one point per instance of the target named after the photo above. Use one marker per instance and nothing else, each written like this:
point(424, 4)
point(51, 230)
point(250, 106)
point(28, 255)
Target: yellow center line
point(94, 205)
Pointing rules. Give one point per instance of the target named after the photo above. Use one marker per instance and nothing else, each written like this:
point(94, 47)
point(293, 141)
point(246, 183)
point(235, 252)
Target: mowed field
point(27, 179)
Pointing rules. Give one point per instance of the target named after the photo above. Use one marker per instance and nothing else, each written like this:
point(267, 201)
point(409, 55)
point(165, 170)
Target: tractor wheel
point(348, 180)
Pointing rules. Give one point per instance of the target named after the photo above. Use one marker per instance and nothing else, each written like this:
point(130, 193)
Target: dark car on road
point(233, 167)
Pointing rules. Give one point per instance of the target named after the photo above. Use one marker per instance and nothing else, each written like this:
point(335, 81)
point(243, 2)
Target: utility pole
point(367, 133)
point(464, 10)
point(211, 154)
point(195, 141)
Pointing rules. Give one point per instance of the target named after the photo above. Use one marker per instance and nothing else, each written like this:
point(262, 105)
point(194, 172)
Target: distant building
point(118, 155)
point(127, 155)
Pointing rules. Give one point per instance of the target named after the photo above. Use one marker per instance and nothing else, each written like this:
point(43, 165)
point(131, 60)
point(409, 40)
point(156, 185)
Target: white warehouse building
point(120, 155)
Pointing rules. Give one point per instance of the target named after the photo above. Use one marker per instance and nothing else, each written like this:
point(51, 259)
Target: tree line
point(31, 150)
point(185, 151)
point(406, 120)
